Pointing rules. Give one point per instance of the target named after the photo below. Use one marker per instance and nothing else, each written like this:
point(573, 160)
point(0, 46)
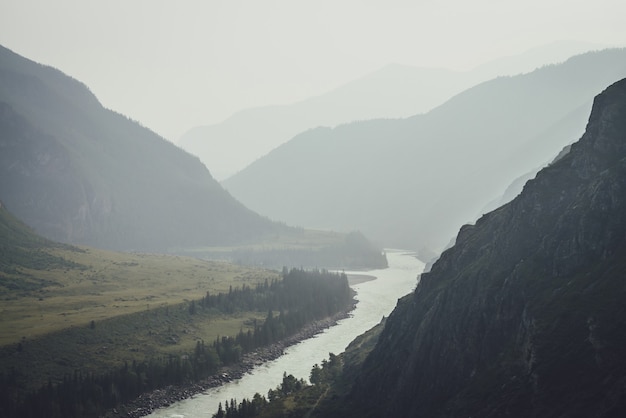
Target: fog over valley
point(199, 200)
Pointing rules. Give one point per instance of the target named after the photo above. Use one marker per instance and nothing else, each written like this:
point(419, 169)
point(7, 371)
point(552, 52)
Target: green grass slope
point(65, 307)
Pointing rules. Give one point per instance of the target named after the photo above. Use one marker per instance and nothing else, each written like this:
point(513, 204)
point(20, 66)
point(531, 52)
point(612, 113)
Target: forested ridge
point(297, 299)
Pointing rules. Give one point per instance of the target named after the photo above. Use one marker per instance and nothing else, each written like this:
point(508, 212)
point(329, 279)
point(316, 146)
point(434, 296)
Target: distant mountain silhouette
point(79, 173)
point(391, 92)
point(411, 182)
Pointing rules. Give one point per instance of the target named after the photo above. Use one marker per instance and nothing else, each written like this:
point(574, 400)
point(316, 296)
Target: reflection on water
point(377, 298)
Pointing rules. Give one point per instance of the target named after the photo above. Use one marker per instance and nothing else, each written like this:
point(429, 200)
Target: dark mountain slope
point(412, 182)
point(79, 173)
point(525, 315)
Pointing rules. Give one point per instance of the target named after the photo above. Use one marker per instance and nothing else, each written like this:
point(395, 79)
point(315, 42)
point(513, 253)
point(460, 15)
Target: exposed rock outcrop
point(525, 315)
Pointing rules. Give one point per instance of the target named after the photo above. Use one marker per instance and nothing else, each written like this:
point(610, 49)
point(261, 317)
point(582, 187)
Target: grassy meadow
point(105, 308)
point(67, 309)
point(107, 284)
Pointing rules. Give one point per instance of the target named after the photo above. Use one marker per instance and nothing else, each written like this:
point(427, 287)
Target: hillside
point(393, 91)
point(82, 174)
point(22, 249)
point(94, 315)
point(524, 316)
point(72, 285)
point(410, 183)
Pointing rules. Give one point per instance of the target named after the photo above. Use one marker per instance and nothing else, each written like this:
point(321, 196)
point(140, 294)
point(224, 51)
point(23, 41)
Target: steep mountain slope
point(524, 316)
point(79, 173)
point(391, 92)
point(410, 183)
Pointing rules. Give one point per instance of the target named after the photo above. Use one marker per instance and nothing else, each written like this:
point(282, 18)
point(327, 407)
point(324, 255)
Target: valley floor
point(149, 402)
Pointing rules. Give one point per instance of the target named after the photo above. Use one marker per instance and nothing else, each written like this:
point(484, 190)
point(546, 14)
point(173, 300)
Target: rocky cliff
point(525, 314)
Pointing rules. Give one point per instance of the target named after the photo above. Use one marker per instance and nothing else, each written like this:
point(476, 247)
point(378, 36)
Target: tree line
point(291, 302)
point(321, 377)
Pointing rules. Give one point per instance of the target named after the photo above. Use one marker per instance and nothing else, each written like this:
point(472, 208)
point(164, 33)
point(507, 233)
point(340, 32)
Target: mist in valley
point(177, 180)
point(398, 84)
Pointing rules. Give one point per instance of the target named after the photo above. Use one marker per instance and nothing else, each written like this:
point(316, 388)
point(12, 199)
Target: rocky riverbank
point(151, 401)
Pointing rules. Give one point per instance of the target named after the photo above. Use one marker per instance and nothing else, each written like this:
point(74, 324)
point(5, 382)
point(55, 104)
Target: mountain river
point(377, 298)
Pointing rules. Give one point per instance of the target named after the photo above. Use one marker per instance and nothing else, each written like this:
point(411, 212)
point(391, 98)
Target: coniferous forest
point(301, 396)
point(298, 298)
point(178, 210)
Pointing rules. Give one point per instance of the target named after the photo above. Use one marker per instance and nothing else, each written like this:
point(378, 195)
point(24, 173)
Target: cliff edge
point(525, 314)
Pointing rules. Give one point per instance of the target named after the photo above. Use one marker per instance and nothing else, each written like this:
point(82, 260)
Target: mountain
point(517, 185)
point(550, 53)
point(79, 173)
point(22, 248)
point(410, 183)
point(391, 92)
point(524, 315)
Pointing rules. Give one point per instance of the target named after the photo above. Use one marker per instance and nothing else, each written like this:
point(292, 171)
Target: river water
point(377, 298)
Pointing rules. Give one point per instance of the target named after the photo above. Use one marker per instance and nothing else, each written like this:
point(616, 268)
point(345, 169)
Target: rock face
point(525, 315)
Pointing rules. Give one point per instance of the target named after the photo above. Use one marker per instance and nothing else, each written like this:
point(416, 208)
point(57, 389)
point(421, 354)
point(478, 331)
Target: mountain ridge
point(118, 184)
point(393, 91)
point(523, 315)
point(251, 133)
point(443, 155)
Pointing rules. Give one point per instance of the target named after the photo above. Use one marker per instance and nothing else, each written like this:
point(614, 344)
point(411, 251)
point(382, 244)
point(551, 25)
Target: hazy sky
point(173, 65)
